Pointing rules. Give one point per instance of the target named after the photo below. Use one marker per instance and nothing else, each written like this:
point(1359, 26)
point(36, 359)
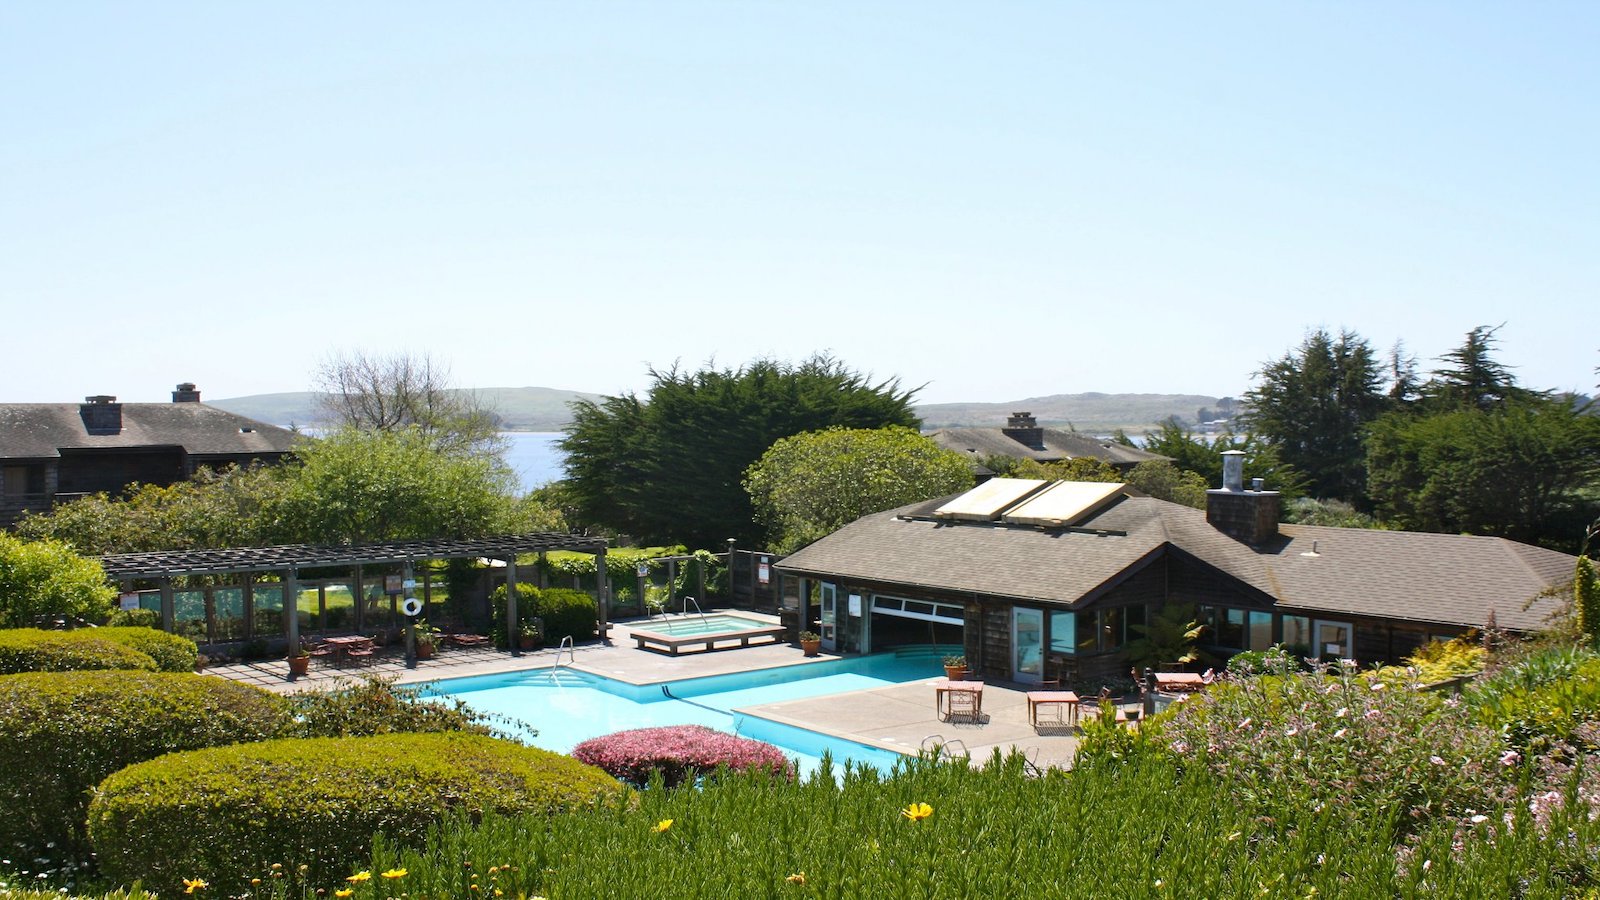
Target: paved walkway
point(899, 718)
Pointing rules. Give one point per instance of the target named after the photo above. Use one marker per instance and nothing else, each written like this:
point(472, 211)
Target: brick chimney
point(1244, 515)
point(101, 414)
point(1024, 429)
point(186, 393)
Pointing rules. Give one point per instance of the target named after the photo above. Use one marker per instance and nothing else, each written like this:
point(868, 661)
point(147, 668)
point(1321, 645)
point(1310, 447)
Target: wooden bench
point(672, 644)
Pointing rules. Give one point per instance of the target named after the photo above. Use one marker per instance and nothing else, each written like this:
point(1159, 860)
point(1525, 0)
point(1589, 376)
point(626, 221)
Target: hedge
point(36, 650)
point(568, 612)
point(172, 653)
point(228, 814)
point(61, 733)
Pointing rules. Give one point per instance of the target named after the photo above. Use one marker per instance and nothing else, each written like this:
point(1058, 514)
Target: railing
point(936, 744)
point(688, 600)
point(567, 648)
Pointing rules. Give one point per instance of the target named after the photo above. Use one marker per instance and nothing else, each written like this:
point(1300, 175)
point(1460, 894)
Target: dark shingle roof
point(1058, 445)
point(1436, 578)
point(43, 430)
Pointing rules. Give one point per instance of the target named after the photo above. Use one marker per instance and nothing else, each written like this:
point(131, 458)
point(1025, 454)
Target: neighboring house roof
point(43, 430)
point(1434, 578)
point(1056, 445)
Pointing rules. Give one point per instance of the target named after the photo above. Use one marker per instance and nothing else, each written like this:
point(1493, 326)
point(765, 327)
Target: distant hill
point(1093, 412)
point(520, 409)
point(545, 409)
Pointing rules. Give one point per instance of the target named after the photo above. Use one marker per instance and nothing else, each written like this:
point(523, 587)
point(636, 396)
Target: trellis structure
point(290, 559)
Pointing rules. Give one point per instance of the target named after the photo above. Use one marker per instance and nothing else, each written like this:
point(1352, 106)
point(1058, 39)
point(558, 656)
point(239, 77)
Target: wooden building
point(50, 452)
point(1032, 587)
point(1023, 438)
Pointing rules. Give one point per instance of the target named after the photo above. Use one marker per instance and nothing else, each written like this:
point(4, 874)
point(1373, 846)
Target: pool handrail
point(572, 653)
point(687, 599)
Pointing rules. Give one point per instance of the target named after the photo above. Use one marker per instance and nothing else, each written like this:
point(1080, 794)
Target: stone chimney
point(186, 393)
point(1244, 515)
point(1023, 428)
point(102, 414)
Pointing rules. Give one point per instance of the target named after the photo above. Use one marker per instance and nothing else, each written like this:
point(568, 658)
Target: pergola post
point(407, 586)
point(291, 606)
point(602, 586)
point(169, 610)
point(512, 639)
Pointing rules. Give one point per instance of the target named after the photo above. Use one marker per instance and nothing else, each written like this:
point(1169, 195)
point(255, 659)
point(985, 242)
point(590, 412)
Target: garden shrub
point(1336, 739)
point(680, 753)
point(568, 612)
point(36, 650)
point(1274, 660)
point(227, 813)
point(61, 733)
point(1539, 712)
point(172, 652)
point(134, 618)
point(46, 578)
point(376, 705)
point(527, 608)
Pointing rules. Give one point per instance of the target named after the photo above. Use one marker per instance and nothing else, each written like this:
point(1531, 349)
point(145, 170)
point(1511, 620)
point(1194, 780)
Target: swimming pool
point(715, 623)
point(568, 707)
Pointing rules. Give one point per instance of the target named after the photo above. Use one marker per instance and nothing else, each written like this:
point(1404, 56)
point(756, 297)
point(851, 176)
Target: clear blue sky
point(1001, 201)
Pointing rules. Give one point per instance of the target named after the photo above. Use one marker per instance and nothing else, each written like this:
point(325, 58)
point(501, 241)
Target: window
point(1297, 635)
point(21, 480)
point(1260, 630)
point(1088, 631)
point(1063, 632)
point(1336, 639)
point(1230, 629)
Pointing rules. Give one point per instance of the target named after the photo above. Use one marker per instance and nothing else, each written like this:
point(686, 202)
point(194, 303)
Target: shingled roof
point(1056, 445)
point(43, 430)
point(1434, 578)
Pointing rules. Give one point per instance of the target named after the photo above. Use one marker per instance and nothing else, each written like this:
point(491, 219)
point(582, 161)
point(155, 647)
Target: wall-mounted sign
point(391, 584)
point(642, 568)
point(130, 600)
point(763, 573)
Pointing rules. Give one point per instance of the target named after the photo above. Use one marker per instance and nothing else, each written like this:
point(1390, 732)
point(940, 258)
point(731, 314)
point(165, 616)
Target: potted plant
point(427, 638)
point(530, 636)
point(810, 642)
point(955, 667)
point(299, 660)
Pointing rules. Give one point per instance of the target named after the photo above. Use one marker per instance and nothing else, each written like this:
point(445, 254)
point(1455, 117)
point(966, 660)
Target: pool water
point(568, 707)
point(716, 623)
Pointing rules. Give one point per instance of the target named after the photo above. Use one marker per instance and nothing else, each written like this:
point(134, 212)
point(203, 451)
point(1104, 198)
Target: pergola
point(289, 559)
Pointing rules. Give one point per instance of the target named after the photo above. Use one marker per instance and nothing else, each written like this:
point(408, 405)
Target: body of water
point(535, 456)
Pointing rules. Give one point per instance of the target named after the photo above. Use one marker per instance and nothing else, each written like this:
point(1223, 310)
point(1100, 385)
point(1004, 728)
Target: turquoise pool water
point(716, 623)
point(568, 707)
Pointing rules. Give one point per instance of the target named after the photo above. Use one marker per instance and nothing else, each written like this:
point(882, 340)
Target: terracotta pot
point(424, 651)
point(528, 642)
point(299, 665)
point(955, 673)
point(811, 648)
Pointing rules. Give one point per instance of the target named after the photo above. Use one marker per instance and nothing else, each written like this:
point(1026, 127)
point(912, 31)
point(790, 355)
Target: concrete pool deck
point(900, 717)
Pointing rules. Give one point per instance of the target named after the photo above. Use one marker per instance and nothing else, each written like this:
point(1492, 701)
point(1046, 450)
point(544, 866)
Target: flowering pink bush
point(679, 752)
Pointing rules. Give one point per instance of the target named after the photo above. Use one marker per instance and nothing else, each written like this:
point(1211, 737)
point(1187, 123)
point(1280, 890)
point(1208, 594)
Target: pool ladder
point(688, 600)
point(567, 648)
point(942, 749)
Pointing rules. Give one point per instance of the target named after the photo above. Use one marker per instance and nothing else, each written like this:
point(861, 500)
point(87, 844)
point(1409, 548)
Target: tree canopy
point(808, 485)
point(1312, 404)
point(668, 468)
point(402, 391)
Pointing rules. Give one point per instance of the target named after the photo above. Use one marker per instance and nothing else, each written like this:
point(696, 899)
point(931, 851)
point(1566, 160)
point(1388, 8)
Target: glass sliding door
point(830, 618)
point(1027, 644)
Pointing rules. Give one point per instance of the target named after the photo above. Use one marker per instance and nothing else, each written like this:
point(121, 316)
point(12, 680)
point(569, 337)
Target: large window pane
point(1088, 631)
point(228, 606)
point(267, 599)
point(189, 615)
point(1111, 625)
point(1260, 630)
point(1135, 617)
point(1063, 632)
point(1297, 635)
point(1335, 639)
point(1230, 629)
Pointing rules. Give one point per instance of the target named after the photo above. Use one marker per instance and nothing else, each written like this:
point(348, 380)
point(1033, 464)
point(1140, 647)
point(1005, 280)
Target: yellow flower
point(663, 825)
point(190, 885)
point(344, 892)
point(395, 873)
point(916, 812)
point(255, 881)
point(796, 878)
point(359, 877)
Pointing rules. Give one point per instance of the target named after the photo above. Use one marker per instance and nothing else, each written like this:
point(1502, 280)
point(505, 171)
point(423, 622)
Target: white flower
point(1341, 712)
point(1510, 758)
point(1340, 732)
point(1378, 685)
point(1479, 819)
point(1436, 760)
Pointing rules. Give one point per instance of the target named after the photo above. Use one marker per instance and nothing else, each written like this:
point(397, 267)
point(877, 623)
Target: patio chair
point(961, 703)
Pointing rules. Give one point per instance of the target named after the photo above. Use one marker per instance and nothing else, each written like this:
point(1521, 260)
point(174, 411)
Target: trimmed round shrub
point(62, 733)
point(680, 753)
point(375, 705)
point(228, 813)
point(135, 618)
point(35, 650)
point(172, 652)
point(568, 612)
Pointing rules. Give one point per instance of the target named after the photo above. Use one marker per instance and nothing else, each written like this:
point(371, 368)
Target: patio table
point(944, 687)
point(342, 647)
point(1057, 699)
point(1173, 682)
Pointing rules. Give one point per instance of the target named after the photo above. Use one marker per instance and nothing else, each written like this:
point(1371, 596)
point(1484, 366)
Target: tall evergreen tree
point(668, 468)
point(1312, 405)
point(1472, 377)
